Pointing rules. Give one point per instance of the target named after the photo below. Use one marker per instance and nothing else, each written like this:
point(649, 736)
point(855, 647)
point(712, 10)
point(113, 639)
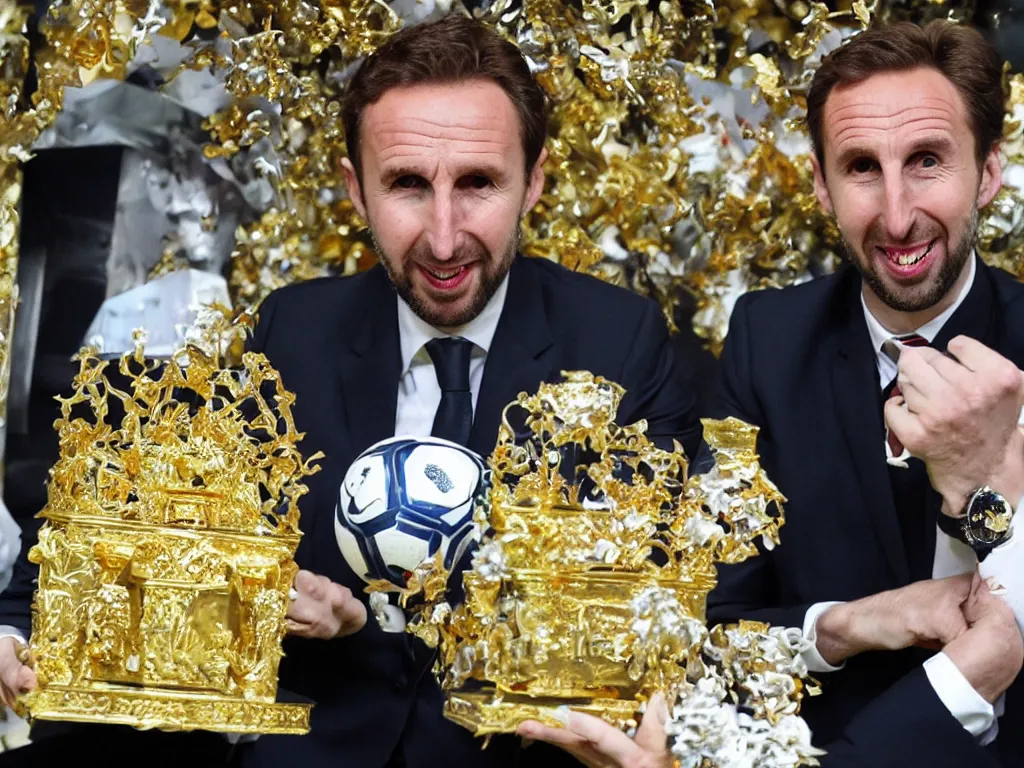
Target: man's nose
point(898, 209)
point(442, 230)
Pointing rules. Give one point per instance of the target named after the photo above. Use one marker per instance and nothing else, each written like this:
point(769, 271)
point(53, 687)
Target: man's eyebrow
point(934, 144)
point(482, 169)
point(851, 153)
point(473, 168)
point(396, 172)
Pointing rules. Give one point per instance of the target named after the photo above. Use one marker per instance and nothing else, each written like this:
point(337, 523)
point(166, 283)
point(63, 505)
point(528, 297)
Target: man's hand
point(925, 613)
point(323, 609)
point(597, 744)
point(990, 653)
point(16, 678)
point(961, 419)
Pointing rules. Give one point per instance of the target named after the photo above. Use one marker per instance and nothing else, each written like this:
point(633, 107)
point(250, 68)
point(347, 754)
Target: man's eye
point(929, 161)
point(862, 165)
point(408, 182)
point(476, 181)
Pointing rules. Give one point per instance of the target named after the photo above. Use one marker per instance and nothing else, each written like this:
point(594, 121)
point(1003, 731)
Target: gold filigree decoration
point(10, 194)
point(166, 557)
point(14, 63)
point(679, 159)
point(597, 555)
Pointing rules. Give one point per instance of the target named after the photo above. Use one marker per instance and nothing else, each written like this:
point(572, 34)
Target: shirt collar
point(414, 331)
point(930, 329)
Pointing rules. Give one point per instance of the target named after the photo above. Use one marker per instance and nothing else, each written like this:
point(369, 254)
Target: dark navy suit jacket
point(336, 343)
point(799, 364)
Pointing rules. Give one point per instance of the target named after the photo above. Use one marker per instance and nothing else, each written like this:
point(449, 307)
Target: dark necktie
point(454, 416)
point(893, 390)
point(910, 488)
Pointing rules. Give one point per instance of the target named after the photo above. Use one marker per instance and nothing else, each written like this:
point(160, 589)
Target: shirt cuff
point(959, 697)
point(1003, 569)
point(990, 735)
point(7, 630)
point(811, 657)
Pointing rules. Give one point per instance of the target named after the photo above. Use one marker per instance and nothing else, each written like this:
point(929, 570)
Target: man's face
point(443, 188)
point(902, 179)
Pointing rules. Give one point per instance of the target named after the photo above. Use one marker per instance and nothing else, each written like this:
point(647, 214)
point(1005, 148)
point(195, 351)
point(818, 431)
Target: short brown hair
point(452, 49)
point(958, 51)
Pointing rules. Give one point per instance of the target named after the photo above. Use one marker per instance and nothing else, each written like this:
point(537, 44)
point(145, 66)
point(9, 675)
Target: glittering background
point(678, 152)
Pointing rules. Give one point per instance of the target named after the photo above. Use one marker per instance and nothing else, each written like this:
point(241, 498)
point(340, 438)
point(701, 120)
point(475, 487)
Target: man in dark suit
point(878, 439)
point(337, 344)
point(445, 130)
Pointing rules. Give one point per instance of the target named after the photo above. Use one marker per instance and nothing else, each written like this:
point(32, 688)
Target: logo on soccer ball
point(439, 478)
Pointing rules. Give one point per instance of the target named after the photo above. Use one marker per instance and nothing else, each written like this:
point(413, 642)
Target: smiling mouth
point(907, 257)
point(447, 280)
point(444, 274)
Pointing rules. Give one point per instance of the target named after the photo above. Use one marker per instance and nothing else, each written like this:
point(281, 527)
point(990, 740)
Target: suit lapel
point(372, 367)
point(855, 384)
point(520, 357)
point(858, 410)
point(976, 315)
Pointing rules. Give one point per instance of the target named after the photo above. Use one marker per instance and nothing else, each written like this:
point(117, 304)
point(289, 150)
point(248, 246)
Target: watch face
point(988, 517)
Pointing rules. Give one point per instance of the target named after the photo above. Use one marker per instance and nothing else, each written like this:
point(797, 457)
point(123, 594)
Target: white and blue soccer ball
point(404, 500)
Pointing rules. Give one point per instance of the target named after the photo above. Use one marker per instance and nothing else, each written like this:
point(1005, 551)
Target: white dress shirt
point(419, 394)
point(952, 557)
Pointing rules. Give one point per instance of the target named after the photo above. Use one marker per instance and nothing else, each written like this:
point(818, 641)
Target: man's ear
point(820, 188)
point(991, 177)
point(355, 190)
point(535, 183)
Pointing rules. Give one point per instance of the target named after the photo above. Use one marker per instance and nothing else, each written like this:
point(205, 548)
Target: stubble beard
point(948, 275)
point(492, 275)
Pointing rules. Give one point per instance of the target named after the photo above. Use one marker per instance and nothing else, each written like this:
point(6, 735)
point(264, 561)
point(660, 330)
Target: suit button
point(400, 684)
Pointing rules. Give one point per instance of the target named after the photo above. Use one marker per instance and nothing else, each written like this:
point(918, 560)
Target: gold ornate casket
point(589, 587)
point(166, 558)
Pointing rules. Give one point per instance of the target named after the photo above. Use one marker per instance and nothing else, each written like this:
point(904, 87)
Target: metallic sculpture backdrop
point(678, 153)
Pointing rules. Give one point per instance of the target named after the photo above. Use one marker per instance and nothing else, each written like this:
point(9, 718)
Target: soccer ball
point(404, 500)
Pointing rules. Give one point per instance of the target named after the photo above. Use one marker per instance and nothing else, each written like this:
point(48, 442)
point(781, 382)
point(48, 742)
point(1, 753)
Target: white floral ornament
point(707, 730)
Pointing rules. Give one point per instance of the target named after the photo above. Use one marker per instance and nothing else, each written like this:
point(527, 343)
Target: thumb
point(10, 664)
point(979, 602)
point(896, 415)
point(305, 581)
point(651, 736)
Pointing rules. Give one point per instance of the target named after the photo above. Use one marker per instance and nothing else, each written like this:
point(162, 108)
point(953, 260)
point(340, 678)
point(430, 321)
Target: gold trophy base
point(166, 710)
point(489, 711)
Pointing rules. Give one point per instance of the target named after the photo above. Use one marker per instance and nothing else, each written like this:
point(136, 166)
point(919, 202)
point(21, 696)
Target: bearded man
point(445, 128)
point(888, 397)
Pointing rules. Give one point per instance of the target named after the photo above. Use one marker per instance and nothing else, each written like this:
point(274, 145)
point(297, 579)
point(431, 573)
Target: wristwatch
point(984, 523)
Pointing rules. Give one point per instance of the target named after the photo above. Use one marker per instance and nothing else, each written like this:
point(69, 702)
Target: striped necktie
point(893, 390)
